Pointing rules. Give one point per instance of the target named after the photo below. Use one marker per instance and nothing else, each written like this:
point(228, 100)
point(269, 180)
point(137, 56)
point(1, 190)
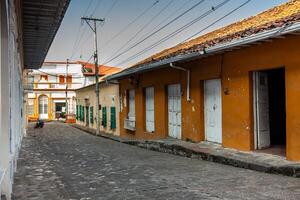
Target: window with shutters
point(131, 113)
point(91, 114)
point(69, 79)
point(113, 123)
point(61, 79)
point(104, 119)
point(149, 109)
point(44, 77)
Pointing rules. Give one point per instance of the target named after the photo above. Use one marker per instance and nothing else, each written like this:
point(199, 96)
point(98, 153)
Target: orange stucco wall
point(234, 68)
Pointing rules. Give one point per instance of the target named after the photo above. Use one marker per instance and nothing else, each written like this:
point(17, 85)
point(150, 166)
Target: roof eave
point(219, 48)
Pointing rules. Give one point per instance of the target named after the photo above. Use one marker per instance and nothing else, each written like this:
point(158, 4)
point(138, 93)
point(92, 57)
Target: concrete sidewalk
point(261, 162)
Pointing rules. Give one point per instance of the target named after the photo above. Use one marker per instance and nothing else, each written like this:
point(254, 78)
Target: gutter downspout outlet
point(188, 79)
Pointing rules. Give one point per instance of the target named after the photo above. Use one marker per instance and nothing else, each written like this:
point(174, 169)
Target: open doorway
point(60, 109)
point(269, 111)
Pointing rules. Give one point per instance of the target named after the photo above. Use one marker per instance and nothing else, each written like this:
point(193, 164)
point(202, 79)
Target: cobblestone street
point(61, 162)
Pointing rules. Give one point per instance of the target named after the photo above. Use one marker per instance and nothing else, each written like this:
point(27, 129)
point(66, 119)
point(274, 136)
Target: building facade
point(237, 86)
point(47, 101)
point(21, 48)
point(109, 104)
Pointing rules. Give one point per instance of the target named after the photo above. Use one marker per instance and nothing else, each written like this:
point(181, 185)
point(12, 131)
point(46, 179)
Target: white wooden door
point(174, 110)
point(131, 113)
point(213, 110)
point(43, 107)
point(261, 110)
point(149, 93)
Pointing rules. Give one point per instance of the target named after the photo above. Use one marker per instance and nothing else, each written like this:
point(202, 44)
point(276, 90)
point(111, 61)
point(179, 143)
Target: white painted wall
point(11, 96)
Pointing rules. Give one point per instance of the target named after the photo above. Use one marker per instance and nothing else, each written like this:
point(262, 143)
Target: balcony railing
point(56, 85)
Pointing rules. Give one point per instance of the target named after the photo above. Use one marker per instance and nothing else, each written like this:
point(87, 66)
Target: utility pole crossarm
point(95, 20)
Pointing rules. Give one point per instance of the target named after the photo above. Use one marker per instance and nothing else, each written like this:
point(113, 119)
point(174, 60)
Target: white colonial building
point(54, 83)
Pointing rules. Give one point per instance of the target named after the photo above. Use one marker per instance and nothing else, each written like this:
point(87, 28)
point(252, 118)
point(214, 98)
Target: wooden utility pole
point(93, 27)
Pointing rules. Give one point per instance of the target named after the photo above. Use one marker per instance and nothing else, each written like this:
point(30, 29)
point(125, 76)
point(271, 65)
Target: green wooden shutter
point(79, 112)
point(83, 113)
point(104, 120)
point(113, 122)
point(76, 111)
point(91, 115)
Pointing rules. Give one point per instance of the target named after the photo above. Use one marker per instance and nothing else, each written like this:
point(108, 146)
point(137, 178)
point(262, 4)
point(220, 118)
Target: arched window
point(43, 107)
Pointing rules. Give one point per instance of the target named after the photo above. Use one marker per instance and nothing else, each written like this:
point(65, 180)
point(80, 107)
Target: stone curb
point(287, 170)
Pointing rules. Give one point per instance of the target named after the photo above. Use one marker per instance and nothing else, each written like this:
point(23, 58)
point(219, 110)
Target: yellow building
point(109, 104)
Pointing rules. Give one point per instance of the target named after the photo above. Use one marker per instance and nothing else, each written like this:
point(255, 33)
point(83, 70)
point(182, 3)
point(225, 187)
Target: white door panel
point(149, 109)
point(213, 110)
point(131, 113)
point(43, 107)
point(174, 111)
point(261, 110)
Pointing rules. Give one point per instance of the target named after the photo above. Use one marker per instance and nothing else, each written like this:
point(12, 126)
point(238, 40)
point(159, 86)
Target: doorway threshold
point(278, 150)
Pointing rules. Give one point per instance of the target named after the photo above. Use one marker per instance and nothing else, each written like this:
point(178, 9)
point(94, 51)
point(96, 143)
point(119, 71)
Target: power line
point(179, 30)
point(232, 11)
point(111, 8)
point(153, 33)
point(107, 13)
point(84, 31)
point(145, 26)
point(88, 7)
point(96, 7)
point(79, 29)
point(164, 39)
point(167, 18)
point(131, 23)
point(55, 75)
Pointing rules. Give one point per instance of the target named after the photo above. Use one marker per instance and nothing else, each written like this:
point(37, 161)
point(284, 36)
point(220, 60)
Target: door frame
point(256, 109)
point(253, 77)
point(254, 96)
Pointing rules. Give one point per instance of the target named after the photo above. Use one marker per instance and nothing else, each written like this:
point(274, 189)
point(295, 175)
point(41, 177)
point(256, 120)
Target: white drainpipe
point(188, 80)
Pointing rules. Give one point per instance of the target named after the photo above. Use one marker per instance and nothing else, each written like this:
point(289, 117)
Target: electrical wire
point(232, 11)
point(130, 24)
point(110, 9)
point(153, 33)
point(79, 30)
point(55, 75)
point(84, 31)
point(162, 40)
point(96, 7)
point(142, 28)
point(166, 19)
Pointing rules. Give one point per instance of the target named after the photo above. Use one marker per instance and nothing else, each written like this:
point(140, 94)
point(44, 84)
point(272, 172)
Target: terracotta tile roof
point(279, 16)
point(89, 69)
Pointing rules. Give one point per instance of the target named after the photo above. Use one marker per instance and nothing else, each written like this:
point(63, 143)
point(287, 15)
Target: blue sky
point(74, 39)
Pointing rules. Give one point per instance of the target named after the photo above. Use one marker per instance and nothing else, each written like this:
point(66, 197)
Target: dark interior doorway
point(277, 112)
point(59, 111)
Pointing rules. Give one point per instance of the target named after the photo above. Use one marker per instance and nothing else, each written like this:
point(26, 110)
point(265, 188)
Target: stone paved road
point(61, 162)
